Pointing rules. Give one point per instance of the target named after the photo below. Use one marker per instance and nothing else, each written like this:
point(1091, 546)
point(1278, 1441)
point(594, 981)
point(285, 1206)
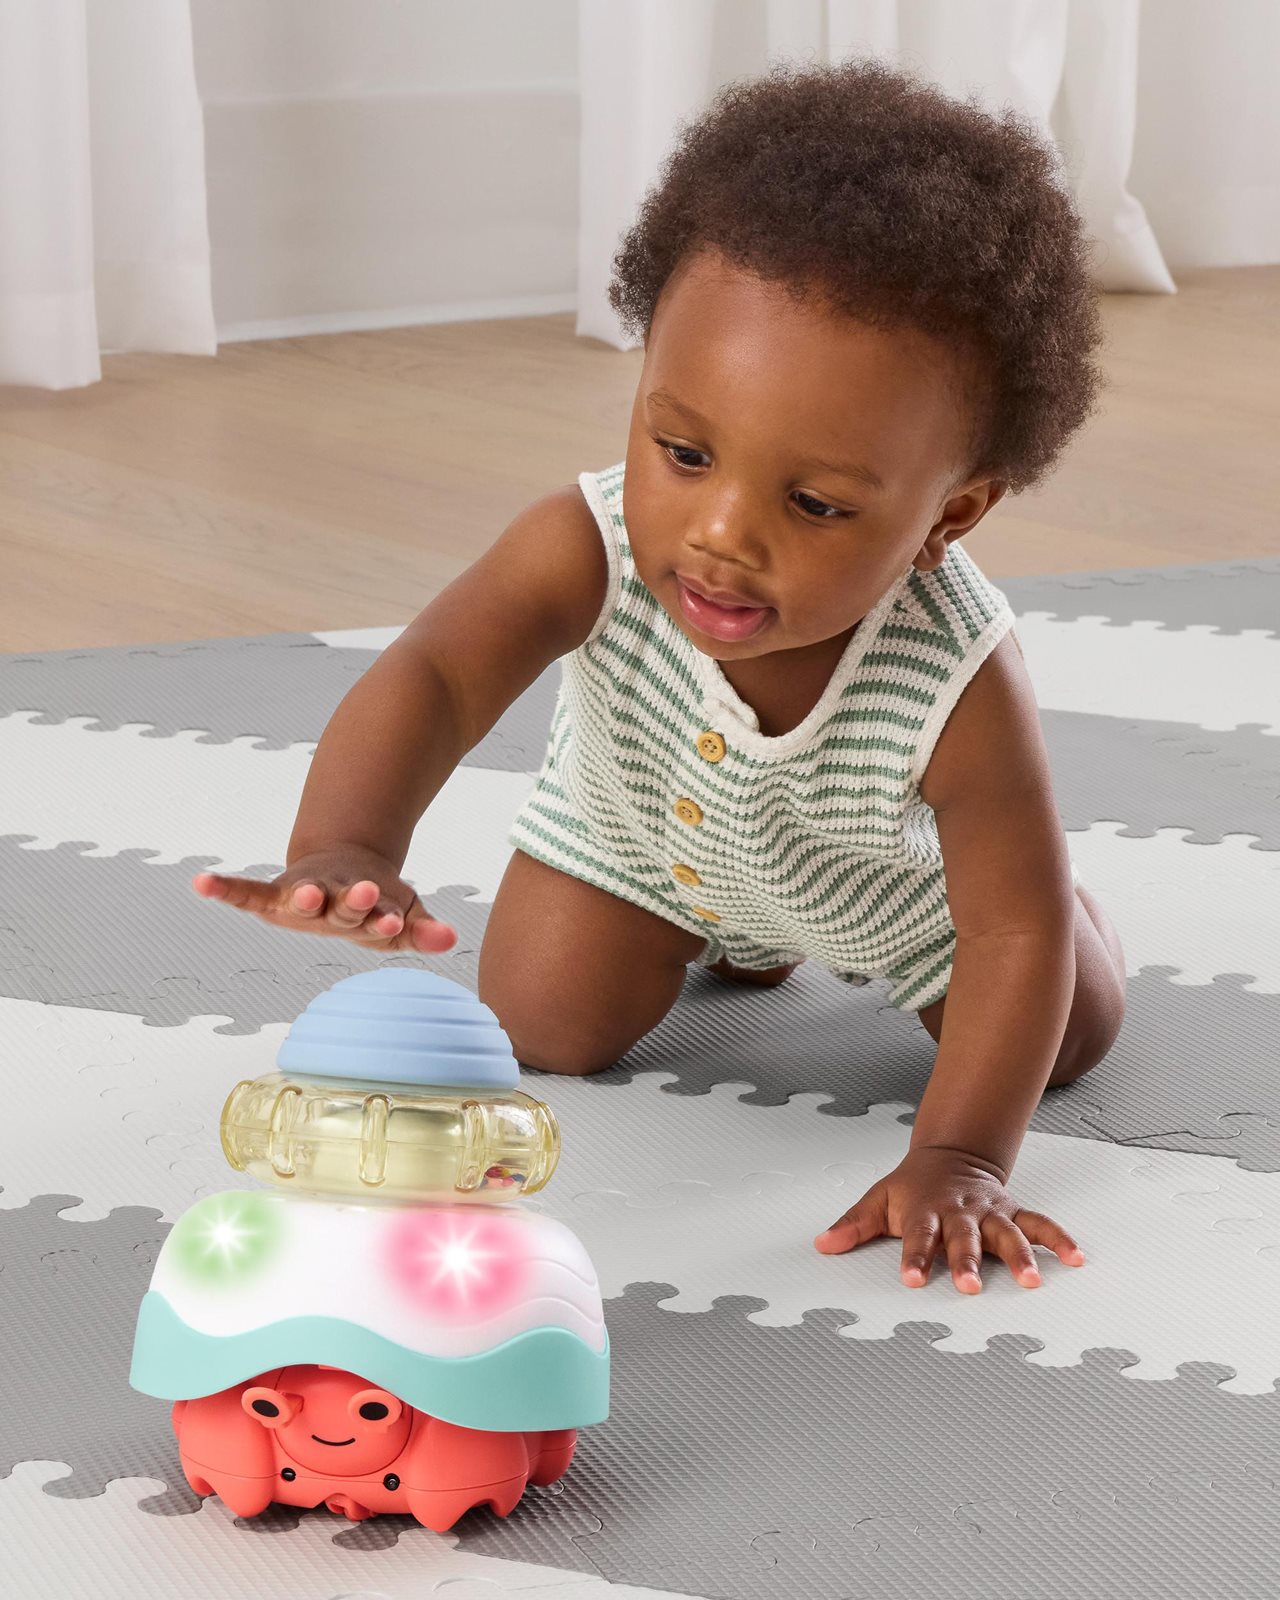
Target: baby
point(794, 720)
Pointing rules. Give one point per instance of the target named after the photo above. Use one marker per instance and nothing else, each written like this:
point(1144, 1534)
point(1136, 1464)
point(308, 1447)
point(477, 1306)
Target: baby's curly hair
point(896, 205)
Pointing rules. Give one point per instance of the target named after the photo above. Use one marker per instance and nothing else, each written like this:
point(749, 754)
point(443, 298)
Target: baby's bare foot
point(759, 977)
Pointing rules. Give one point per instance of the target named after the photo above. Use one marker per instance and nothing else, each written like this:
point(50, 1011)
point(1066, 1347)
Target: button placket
point(710, 746)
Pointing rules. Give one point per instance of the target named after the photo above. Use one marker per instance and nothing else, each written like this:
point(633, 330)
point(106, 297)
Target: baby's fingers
point(426, 933)
point(306, 899)
point(867, 1220)
point(962, 1239)
point(386, 925)
point(919, 1246)
point(1008, 1242)
point(350, 906)
point(1043, 1230)
point(247, 894)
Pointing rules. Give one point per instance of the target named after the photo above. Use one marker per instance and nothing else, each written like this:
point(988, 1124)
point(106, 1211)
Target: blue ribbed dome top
point(404, 1025)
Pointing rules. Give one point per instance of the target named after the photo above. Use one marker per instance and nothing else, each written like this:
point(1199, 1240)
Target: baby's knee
point(1091, 1037)
point(564, 1061)
point(543, 1037)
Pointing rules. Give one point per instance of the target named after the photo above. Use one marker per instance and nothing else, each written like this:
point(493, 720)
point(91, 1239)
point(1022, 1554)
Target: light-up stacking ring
point(434, 1110)
point(395, 1138)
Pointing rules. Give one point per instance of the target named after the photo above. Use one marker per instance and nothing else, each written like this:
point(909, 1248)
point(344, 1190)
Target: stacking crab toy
point(386, 1329)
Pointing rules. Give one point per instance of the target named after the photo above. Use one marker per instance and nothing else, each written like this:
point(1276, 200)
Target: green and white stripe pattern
point(815, 843)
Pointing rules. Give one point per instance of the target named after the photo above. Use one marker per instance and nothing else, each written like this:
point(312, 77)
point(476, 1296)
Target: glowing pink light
point(459, 1265)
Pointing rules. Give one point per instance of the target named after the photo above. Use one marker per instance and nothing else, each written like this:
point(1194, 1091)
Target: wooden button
point(685, 874)
point(710, 746)
point(709, 916)
point(688, 811)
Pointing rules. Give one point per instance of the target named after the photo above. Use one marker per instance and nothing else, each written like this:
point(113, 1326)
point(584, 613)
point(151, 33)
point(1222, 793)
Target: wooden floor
point(340, 481)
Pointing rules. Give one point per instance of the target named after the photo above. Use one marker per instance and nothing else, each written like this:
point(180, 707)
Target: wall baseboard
point(537, 305)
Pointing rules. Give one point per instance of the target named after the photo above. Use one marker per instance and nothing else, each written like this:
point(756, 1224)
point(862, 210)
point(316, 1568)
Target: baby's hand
point(349, 891)
point(942, 1198)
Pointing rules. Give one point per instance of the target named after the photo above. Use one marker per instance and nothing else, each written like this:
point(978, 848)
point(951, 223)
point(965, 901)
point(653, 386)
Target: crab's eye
point(373, 1411)
point(264, 1408)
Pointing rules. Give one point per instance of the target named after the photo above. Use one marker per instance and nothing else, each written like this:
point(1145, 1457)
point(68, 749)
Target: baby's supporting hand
point(350, 891)
point(944, 1199)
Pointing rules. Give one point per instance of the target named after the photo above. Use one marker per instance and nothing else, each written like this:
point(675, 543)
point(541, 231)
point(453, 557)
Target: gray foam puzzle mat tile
point(280, 688)
point(1185, 1054)
point(229, 964)
point(1231, 595)
point(889, 1468)
point(1152, 775)
point(261, 685)
point(70, 1294)
point(807, 1036)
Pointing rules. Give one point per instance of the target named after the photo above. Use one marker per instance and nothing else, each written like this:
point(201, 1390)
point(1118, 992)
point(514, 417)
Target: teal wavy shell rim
point(545, 1378)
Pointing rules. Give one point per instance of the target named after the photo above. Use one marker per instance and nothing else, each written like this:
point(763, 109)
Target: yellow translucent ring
point(389, 1140)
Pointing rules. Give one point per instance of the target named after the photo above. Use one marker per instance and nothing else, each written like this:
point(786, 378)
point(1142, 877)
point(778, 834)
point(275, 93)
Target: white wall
point(374, 163)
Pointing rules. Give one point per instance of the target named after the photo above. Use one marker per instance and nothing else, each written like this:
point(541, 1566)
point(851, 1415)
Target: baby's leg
point(574, 974)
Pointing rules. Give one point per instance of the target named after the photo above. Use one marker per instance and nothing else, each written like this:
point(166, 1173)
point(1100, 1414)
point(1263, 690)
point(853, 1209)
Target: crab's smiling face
point(317, 1412)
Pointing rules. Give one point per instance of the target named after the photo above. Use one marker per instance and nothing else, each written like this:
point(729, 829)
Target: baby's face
point(737, 502)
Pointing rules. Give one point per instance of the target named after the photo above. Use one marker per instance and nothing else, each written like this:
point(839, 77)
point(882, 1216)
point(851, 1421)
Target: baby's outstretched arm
point(1012, 981)
point(406, 723)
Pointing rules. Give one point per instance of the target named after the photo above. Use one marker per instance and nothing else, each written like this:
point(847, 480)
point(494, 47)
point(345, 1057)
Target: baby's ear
point(940, 538)
point(933, 552)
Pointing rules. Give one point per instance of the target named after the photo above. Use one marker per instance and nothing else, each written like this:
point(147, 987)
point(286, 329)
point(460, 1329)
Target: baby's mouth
point(722, 622)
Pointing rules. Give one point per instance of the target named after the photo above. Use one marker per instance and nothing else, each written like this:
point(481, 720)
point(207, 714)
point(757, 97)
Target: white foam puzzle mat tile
point(763, 1187)
point(796, 1172)
point(783, 1423)
point(179, 797)
point(1146, 671)
point(1222, 898)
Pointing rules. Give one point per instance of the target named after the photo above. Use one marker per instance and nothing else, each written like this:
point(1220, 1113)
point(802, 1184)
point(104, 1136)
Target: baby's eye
point(822, 506)
point(682, 449)
point(674, 450)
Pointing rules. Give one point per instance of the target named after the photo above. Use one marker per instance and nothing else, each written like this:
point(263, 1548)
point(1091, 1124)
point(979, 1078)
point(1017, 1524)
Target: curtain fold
point(1075, 66)
point(104, 239)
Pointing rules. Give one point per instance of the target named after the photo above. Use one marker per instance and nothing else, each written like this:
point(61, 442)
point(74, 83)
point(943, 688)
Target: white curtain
point(104, 239)
point(1195, 76)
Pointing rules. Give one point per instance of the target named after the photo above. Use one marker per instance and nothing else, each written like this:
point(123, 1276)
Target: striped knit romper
point(658, 786)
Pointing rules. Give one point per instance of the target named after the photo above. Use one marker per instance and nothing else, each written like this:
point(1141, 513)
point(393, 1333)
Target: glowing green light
point(226, 1238)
